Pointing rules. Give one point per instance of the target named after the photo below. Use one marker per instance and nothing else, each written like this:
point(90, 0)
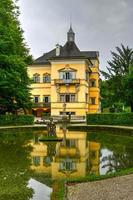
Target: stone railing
point(41, 105)
point(67, 81)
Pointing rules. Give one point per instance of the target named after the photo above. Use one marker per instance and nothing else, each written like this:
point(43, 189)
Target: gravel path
point(119, 188)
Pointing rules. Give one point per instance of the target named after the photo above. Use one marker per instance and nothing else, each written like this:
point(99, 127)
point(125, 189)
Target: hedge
point(16, 120)
point(110, 119)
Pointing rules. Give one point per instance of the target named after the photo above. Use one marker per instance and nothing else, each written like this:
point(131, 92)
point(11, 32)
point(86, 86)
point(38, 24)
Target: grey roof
point(69, 50)
point(44, 58)
point(90, 54)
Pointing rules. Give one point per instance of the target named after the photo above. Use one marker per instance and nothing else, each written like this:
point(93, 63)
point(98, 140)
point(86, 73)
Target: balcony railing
point(67, 81)
point(67, 151)
point(41, 105)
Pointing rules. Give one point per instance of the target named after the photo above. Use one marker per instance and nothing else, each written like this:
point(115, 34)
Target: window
point(67, 98)
point(46, 99)
point(62, 98)
point(92, 83)
point(36, 99)
point(36, 160)
point(71, 143)
point(72, 97)
point(68, 75)
point(47, 161)
point(86, 98)
point(36, 78)
point(46, 78)
point(93, 100)
point(68, 165)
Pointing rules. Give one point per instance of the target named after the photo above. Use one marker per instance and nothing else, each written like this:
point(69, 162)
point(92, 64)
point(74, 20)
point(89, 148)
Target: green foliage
point(16, 120)
point(128, 85)
point(114, 89)
point(121, 61)
point(14, 57)
point(117, 107)
point(104, 138)
point(101, 177)
point(15, 169)
point(110, 119)
point(107, 94)
point(59, 192)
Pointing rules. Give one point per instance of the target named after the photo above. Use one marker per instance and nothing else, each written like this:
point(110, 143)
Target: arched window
point(46, 78)
point(36, 78)
point(92, 82)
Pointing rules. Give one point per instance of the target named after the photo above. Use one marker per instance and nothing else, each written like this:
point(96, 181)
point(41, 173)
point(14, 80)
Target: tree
point(118, 69)
point(14, 58)
point(106, 93)
point(128, 84)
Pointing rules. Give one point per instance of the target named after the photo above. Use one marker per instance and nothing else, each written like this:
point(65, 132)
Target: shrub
point(16, 119)
point(110, 119)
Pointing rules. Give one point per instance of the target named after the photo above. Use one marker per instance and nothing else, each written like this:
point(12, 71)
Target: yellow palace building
point(66, 75)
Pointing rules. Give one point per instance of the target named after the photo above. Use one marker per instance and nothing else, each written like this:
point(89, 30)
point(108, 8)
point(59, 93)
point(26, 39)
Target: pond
point(28, 166)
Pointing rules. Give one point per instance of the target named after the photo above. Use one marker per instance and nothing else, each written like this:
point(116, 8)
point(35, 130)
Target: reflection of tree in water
point(14, 167)
point(120, 159)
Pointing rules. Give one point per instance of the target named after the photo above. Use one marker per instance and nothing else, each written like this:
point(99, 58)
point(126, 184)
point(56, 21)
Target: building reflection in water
point(71, 158)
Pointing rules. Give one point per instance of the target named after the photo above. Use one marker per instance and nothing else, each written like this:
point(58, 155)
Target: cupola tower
point(70, 35)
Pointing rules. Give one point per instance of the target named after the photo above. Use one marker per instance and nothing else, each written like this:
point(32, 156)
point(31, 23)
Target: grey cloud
point(99, 24)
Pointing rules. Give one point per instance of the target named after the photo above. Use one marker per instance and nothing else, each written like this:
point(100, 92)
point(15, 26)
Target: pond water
point(28, 166)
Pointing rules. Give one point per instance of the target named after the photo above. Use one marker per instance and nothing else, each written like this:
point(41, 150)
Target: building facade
point(76, 157)
point(68, 77)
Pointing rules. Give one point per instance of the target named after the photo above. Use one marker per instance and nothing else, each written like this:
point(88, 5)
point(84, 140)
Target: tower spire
point(70, 34)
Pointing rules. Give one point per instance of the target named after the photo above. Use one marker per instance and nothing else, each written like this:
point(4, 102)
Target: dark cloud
point(99, 24)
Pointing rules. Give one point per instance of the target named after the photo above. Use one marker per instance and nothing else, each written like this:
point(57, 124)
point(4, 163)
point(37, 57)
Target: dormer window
point(36, 78)
point(46, 78)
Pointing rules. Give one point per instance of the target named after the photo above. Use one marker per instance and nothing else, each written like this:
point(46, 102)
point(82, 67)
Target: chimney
point(57, 49)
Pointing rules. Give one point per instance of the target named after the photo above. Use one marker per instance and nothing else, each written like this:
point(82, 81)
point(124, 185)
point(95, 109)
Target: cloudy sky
point(99, 24)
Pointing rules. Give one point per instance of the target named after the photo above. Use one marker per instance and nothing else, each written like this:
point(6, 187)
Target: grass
point(61, 193)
